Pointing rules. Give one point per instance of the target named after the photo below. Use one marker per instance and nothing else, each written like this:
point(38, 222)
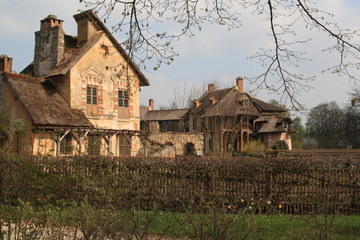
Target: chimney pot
point(151, 104)
point(211, 87)
point(50, 22)
point(5, 63)
point(240, 84)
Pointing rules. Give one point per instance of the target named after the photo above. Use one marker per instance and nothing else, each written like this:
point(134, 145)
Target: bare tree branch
point(150, 27)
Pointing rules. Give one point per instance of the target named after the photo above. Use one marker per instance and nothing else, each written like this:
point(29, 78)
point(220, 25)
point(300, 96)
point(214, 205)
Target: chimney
point(240, 84)
point(151, 104)
point(86, 26)
point(5, 63)
point(49, 45)
point(211, 87)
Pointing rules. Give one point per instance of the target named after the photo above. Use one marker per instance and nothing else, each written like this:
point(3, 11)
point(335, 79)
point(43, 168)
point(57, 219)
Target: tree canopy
point(334, 127)
point(141, 22)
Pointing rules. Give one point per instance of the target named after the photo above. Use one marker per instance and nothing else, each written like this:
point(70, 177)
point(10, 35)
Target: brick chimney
point(5, 63)
point(86, 25)
point(49, 45)
point(211, 87)
point(240, 84)
point(151, 104)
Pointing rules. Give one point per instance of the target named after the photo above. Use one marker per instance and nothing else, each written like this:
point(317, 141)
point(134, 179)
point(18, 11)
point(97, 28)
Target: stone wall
point(182, 142)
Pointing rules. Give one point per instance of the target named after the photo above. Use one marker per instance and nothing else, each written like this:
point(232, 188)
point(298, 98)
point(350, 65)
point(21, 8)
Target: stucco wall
point(105, 68)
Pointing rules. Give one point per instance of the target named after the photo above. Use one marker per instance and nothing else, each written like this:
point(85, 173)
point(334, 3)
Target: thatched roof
point(205, 101)
point(267, 107)
point(162, 115)
point(274, 123)
point(43, 104)
point(226, 102)
point(230, 105)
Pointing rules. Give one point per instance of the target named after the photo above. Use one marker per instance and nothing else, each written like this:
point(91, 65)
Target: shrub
point(281, 145)
point(255, 147)
point(309, 143)
point(297, 145)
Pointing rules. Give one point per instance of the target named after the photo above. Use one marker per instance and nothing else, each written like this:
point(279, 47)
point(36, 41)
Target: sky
point(213, 54)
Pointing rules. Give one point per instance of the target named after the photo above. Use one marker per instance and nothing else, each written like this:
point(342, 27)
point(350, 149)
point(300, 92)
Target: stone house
point(167, 131)
point(226, 118)
point(79, 95)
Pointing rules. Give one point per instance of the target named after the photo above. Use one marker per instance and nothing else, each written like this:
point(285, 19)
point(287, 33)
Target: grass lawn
point(165, 225)
point(218, 226)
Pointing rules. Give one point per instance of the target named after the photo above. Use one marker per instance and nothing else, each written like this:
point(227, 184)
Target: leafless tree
point(142, 21)
point(355, 97)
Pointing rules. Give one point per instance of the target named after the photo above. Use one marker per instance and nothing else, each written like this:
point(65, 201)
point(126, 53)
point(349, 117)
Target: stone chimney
point(49, 45)
point(151, 104)
point(211, 87)
point(86, 25)
point(5, 63)
point(240, 84)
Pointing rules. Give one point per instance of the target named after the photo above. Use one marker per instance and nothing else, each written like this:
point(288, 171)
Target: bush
point(297, 145)
point(255, 147)
point(281, 145)
point(310, 143)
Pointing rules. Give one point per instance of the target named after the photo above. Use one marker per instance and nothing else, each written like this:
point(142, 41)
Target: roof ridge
point(168, 109)
point(213, 91)
point(25, 77)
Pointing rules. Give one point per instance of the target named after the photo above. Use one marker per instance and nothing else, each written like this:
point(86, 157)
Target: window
point(125, 147)
point(94, 143)
point(123, 98)
point(66, 145)
point(91, 95)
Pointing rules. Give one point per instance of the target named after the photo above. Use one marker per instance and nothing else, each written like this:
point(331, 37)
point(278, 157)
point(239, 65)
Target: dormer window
point(244, 102)
point(213, 100)
point(285, 125)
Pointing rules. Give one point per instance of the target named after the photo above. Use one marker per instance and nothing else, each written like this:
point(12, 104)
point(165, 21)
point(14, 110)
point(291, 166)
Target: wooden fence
point(295, 184)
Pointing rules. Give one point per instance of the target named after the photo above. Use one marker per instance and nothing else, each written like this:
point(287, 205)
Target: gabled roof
point(226, 103)
point(43, 104)
point(205, 101)
point(98, 23)
point(266, 107)
point(162, 115)
point(230, 105)
point(275, 123)
point(73, 52)
point(73, 55)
